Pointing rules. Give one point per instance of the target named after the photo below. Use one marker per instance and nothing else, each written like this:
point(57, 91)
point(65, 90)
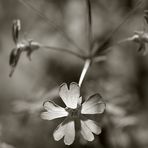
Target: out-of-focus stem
point(50, 22)
point(114, 31)
point(84, 70)
point(64, 50)
point(89, 22)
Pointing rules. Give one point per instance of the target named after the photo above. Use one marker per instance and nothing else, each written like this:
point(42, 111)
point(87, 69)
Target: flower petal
point(67, 130)
point(69, 133)
point(53, 111)
point(70, 96)
point(92, 125)
point(94, 105)
point(86, 132)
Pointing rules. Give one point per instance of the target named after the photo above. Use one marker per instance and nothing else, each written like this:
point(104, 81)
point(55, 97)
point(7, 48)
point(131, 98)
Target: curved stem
point(63, 50)
point(84, 70)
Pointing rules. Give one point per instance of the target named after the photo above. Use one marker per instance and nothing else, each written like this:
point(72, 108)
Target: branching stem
point(63, 50)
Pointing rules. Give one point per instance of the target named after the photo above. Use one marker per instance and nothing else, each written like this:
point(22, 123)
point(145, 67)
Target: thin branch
point(50, 22)
point(63, 50)
point(118, 27)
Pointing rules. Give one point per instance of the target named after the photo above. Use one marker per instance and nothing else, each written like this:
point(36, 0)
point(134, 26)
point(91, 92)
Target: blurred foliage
point(122, 79)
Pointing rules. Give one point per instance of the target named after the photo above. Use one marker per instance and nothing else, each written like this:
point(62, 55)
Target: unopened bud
point(16, 27)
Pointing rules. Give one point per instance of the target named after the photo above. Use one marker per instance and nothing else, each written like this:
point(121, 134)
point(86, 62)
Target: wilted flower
point(74, 111)
point(21, 46)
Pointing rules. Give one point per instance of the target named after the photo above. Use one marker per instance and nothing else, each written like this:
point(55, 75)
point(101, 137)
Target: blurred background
point(122, 79)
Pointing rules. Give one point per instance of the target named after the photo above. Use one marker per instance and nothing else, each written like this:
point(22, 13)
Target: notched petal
point(69, 133)
point(93, 105)
point(67, 130)
point(70, 96)
point(53, 111)
point(59, 132)
point(93, 126)
point(86, 132)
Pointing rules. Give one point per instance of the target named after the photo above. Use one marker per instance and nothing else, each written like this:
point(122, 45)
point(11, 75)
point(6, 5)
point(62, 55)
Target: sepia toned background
point(122, 79)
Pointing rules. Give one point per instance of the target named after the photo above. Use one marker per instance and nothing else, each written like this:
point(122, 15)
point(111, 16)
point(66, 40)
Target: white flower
point(75, 111)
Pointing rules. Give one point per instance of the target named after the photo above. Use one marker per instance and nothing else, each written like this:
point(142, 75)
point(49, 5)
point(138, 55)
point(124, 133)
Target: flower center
point(74, 113)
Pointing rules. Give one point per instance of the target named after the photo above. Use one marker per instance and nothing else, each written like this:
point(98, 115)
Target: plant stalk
point(84, 70)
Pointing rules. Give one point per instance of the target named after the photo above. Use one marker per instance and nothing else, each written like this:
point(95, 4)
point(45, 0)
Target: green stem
point(84, 70)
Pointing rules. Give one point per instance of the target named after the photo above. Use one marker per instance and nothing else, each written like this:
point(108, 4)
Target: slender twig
point(138, 3)
point(84, 70)
point(51, 23)
point(63, 50)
